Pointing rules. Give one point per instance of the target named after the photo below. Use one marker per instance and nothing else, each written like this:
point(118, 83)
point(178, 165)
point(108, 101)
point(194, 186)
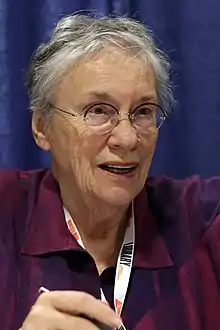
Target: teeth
point(118, 169)
point(121, 167)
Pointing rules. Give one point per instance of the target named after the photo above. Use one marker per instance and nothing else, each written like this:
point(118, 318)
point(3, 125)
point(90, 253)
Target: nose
point(123, 135)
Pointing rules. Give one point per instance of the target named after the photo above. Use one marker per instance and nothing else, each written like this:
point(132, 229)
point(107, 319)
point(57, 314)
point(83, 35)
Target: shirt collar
point(47, 229)
point(48, 232)
point(150, 248)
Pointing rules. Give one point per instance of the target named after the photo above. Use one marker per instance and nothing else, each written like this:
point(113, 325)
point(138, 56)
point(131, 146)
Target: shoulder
point(194, 186)
point(10, 189)
point(15, 182)
point(16, 191)
point(193, 201)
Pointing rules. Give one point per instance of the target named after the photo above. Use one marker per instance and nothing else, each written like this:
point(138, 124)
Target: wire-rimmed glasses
point(103, 117)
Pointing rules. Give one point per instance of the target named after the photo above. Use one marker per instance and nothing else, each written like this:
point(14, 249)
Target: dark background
point(188, 30)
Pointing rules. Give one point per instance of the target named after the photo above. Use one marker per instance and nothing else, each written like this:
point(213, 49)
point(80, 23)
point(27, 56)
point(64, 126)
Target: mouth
point(119, 169)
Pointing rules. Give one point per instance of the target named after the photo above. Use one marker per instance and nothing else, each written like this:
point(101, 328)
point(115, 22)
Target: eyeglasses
point(103, 117)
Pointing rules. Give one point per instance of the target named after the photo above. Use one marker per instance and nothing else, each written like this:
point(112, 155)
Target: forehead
point(111, 72)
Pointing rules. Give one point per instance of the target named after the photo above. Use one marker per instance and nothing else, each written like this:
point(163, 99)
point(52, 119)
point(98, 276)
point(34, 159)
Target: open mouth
point(118, 169)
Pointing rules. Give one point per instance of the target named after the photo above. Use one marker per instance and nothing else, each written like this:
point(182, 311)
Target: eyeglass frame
point(118, 113)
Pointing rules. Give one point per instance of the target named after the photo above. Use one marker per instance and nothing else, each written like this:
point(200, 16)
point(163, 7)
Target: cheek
point(72, 155)
point(83, 151)
point(148, 148)
point(83, 164)
point(62, 138)
point(68, 136)
point(64, 142)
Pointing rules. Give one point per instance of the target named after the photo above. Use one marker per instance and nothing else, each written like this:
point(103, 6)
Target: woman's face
point(112, 166)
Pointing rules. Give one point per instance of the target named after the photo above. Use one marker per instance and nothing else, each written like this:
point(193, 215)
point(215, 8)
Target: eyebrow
point(103, 96)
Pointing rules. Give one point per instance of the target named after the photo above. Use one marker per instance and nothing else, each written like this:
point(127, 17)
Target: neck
point(101, 227)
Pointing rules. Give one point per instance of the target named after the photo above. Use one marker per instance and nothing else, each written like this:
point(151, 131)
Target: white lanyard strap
point(124, 262)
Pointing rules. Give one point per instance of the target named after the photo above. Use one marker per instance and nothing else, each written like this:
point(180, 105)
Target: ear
point(40, 130)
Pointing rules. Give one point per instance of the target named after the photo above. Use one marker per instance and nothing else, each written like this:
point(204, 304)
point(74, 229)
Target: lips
point(119, 169)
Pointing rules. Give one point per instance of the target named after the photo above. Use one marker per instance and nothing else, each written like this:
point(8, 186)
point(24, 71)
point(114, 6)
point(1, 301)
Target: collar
point(47, 230)
point(150, 248)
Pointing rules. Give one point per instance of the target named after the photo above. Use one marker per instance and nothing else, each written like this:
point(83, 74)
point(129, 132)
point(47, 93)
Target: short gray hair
point(77, 36)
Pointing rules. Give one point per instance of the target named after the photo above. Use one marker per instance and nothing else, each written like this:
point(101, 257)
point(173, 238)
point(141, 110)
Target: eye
point(99, 114)
point(102, 110)
point(98, 110)
point(147, 110)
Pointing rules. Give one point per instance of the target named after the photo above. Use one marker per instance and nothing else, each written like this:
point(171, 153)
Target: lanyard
point(124, 262)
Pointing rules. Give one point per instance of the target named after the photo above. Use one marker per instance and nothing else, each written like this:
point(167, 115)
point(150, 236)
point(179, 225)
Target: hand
point(63, 310)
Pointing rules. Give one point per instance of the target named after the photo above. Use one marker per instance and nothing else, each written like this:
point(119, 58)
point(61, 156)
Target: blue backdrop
point(187, 29)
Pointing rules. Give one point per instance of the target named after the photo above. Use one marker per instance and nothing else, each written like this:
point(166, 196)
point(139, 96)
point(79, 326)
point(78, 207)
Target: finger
point(76, 303)
point(78, 323)
point(44, 318)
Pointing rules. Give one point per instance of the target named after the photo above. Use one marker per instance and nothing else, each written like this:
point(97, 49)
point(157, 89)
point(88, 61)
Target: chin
point(118, 196)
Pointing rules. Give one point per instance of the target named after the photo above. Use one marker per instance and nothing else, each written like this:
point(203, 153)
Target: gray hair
point(77, 36)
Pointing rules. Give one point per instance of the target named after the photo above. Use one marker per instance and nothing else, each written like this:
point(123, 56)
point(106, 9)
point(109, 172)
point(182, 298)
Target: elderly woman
point(108, 247)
